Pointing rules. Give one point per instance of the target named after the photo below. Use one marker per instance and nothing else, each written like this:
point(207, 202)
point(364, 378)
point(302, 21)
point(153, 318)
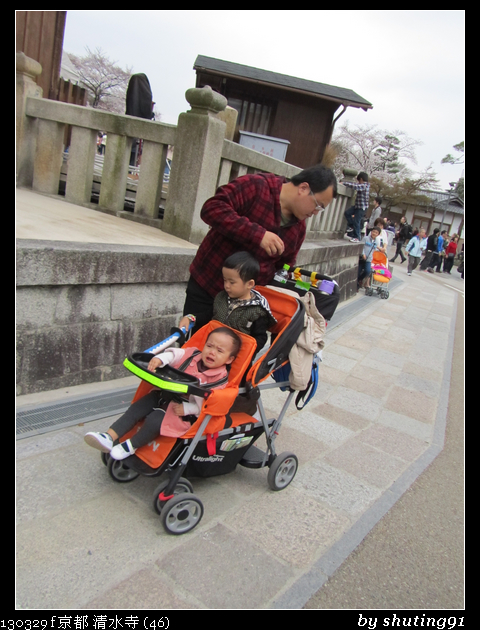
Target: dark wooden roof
point(445, 201)
point(226, 68)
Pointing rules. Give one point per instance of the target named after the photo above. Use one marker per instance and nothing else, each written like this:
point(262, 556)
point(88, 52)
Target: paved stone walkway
point(378, 420)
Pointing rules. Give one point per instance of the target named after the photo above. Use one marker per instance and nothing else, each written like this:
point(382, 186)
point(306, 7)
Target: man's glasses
point(317, 207)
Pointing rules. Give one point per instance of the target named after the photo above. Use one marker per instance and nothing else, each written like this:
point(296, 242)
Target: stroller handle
point(177, 333)
point(311, 274)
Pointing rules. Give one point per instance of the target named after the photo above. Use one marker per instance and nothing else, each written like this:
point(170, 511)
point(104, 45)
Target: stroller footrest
point(253, 458)
point(139, 466)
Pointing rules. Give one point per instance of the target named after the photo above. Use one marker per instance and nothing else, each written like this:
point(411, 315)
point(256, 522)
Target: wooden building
point(271, 104)
point(39, 34)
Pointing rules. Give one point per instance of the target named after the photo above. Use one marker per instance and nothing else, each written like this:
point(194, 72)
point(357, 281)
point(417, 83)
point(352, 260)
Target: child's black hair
point(247, 266)
point(237, 342)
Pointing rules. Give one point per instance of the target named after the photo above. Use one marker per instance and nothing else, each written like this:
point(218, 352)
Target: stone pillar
point(149, 188)
point(196, 162)
point(48, 156)
point(115, 172)
point(229, 116)
point(27, 72)
point(83, 147)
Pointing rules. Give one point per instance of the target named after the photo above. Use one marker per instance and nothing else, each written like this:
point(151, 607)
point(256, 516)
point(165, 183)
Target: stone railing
point(42, 165)
point(203, 158)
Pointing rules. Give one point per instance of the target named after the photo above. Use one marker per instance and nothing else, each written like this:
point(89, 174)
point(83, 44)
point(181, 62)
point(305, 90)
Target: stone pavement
point(378, 420)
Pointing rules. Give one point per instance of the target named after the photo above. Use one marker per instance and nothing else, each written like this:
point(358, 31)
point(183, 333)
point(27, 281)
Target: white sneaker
point(354, 240)
point(122, 450)
point(102, 441)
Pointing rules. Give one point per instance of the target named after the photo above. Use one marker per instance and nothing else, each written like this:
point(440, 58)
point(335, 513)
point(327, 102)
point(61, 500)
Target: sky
point(409, 64)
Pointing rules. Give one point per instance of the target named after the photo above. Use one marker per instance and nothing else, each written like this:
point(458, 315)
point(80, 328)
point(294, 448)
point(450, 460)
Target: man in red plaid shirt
point(263, 214)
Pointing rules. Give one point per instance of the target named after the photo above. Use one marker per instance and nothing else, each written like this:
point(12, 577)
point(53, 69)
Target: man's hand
point(272, 244)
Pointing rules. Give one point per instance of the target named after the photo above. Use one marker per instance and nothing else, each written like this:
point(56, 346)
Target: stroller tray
point(166, 378)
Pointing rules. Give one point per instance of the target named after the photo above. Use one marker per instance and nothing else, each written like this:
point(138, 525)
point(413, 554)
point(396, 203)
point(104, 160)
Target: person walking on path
point(432, 242)
point(450, 255)
point(416, 245)
point(436, 260)
point(403, 235)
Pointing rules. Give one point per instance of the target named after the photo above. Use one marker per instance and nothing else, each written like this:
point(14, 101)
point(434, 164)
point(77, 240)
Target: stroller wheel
point(183, 485)
point(282, 471)
point(120, 472)
point(181, 514)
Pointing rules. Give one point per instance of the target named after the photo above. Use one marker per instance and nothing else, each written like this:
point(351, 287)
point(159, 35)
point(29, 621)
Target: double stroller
point(230, 422)
point(380, 276)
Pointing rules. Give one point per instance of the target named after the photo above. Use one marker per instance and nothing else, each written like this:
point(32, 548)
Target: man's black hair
point(247, 266)
point(362, 175)
point(318, 177)
point(237, 342)
point(379, 200)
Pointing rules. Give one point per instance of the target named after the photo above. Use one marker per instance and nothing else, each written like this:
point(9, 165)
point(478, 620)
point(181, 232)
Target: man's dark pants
point(354, 218)
point(199, 303)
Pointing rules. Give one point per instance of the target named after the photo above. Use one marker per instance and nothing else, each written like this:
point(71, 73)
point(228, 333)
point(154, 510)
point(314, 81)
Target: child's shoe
point(122, 450)
point(102, 441)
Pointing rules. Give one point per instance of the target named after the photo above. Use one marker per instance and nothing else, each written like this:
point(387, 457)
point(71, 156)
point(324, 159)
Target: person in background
point(403, 235)
point(382, 238)
point(376, 213)
point(436, 260)
point(365, 261)
point(432, 242)
point(450, 252)
point(355, 213)
point(415, 247)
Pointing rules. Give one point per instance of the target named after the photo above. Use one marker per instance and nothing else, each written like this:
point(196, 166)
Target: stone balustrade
point(203, 158)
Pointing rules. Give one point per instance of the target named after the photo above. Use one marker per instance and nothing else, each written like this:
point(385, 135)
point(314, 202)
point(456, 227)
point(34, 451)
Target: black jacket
point(405, 232)
point(432, 241)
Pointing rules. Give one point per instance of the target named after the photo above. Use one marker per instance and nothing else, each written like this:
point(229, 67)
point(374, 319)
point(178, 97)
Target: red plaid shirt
point(239, 215)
